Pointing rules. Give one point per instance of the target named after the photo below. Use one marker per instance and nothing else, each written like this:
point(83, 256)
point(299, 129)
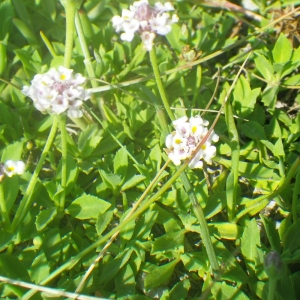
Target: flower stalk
point(27, 199)
point(3, 207)
point(64, 151)
point(195, 204)
point(71, 7)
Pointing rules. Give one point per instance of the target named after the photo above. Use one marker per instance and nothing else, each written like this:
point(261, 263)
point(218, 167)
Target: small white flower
point(183, 142)
point(14, 167)
point(169, 141)
point(178, 141)
point(148, 38)
point(58, 91)
point(146, 20)
point(163, 7)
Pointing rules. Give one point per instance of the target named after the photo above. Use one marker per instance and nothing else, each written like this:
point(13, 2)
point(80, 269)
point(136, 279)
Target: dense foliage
point(83, 179)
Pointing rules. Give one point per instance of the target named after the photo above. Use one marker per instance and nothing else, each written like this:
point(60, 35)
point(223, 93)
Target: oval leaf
point(87, 207)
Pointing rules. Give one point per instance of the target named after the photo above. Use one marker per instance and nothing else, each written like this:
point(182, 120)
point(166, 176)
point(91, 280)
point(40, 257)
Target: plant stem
point(64, 153)
point(233, 177)
point(27, 199)
point(160, 84)
point(295, 200)
point(187, 186)
point(70, 9)
point(198, 211)
point(272, 288)
point(85, 50)
point(3, 207)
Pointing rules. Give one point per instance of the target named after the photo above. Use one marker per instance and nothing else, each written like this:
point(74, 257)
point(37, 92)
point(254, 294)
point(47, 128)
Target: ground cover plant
point(149, 152)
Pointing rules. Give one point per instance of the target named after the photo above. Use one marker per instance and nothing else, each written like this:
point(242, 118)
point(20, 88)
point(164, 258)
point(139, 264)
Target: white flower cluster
point(182, 143)
point(58, 91)
point(11, 168)
point(146, 20)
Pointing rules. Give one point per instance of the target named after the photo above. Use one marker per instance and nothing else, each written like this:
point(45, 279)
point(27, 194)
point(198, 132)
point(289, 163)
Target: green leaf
point(6, 15)
point(12, 267)
point(112, 181)
point(282, 50)
point(194, 261)
point(269, 95)
point(114, 266)
point(180, 290)
point(26, 32)
point(87, 207)
point(121, 162)
point(272, 233)
point(125, 282)
point(174, 38)
point(133, 181)
point(254, 130)
point(293, 80)
point(226, 230)
point(291, 240)
point(264, 67)
point(45, 217)
point(223, 291)
point(39, 269)
point(250, 240)
point(160, 275)
point(13, 152)
point(169, 242)
point(89, 140)
point(27, 60)
point(278, 149)
point(214, 204)
point(144, 224)
point(11, 188)
point(103, 220)
point(244, 97)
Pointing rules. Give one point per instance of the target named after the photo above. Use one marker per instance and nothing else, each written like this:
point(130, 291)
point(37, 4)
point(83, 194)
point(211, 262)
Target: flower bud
point(273, 265)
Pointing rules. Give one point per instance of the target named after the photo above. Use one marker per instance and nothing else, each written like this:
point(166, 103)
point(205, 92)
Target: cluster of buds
point(58, 91)
point(10, 168)
point(146, 20)
point(182, 143)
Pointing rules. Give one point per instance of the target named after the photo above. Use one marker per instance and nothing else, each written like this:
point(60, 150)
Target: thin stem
point(187, 186)
point(197, 85)
point(70, 9)
point(233, 177)
point(160, 84)
point(198, 211)
point(295, 200)
point(3, 207)
point(272, 288)
point(27, 199)
point(51, 291)
point(64, 153)
point(85, 50)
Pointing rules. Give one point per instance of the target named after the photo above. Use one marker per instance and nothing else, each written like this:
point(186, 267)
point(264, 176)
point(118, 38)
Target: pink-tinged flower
point(146, 20)
point(58, 91)
point(182, 143)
